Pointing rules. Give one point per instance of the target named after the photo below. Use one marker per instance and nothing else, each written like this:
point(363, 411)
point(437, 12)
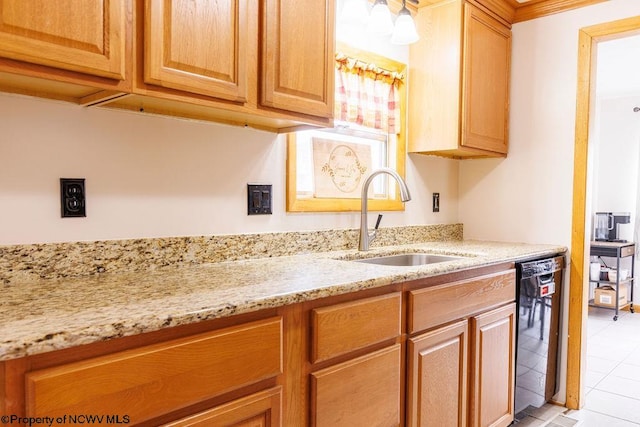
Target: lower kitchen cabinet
point(437, 351)
point(365, 391)
point(461, 353)
point(467, 361)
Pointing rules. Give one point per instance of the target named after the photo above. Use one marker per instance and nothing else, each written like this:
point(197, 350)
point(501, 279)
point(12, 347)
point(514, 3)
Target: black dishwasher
point(539, 299)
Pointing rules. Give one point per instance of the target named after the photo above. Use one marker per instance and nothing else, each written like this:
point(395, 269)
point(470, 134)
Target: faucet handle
point(378, 222)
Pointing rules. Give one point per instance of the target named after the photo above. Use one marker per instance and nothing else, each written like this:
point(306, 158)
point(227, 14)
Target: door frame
point(578, 292)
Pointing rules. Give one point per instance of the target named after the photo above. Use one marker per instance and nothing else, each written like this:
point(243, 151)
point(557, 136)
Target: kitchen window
point(326, 167)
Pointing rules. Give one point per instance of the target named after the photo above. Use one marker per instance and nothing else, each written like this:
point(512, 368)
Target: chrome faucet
point(365, 237)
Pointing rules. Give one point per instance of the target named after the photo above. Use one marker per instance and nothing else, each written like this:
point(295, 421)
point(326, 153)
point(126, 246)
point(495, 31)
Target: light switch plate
point(259, 199)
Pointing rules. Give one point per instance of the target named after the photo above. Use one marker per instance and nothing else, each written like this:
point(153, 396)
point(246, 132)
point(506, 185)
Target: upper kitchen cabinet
point(261, 63)
point(265, 64)
point(297, 56)
point(70, 34)
point(199, 47)
point(63, 49)
point(459, 81)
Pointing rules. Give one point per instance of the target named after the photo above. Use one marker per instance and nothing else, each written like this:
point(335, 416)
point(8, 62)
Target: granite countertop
point(41, 315)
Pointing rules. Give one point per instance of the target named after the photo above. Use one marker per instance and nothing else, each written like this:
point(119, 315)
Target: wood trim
point(538, 8)
point(503, 10)
point(587, 47)
point(99, 98)
point(313, 204)
point(3, 388)
point(295, 404)
point(12, 386)
point(512, 11)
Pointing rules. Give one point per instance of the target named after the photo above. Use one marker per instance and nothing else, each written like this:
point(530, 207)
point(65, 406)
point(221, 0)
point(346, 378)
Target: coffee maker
point(606, 225)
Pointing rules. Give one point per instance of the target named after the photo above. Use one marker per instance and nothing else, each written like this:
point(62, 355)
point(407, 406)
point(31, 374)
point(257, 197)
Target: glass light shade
point(354, 12)
point(405, 29)
point(380, 22)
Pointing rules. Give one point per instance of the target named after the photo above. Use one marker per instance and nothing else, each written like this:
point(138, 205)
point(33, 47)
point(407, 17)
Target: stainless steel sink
point(408, 260)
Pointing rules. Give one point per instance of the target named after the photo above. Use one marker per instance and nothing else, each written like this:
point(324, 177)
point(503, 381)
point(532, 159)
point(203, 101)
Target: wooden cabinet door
point(261, 409)
point(76, 35)
point(297, 62)
point(492, 368)
point(487, 49)
point(437, 379)
point(361, 392)
point(200, 47)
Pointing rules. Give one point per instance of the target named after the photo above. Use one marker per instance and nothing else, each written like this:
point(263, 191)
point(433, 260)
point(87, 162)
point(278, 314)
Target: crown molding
point(512, 11)
point(538, 8)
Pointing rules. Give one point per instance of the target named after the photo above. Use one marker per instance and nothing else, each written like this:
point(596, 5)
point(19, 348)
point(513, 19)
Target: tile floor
point(613, 371)
point(612, 377)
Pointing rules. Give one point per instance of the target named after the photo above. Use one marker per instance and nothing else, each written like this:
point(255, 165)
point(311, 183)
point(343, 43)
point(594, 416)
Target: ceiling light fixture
point(354, 12)
point(380, 22)
point(404, 31)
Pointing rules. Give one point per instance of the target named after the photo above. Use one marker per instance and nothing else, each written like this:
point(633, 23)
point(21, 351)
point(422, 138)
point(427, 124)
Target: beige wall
point(151, 176)
point(527, 196)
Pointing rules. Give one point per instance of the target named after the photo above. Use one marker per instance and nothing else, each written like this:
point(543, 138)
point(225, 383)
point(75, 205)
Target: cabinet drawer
point(627, 251)
point(259, 409)
point(361, 392)
point(342, 328)
point(434, 306)
point(157, 379)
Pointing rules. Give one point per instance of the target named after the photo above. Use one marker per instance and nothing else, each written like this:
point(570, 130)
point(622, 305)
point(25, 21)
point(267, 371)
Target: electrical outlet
point(259, 199)
point(72, 198)
point(436, 202)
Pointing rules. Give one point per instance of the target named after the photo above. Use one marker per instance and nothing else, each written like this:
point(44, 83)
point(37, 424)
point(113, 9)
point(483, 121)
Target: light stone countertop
point(42, 315)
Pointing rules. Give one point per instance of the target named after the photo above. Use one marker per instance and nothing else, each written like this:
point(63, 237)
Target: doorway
point(580, 235)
